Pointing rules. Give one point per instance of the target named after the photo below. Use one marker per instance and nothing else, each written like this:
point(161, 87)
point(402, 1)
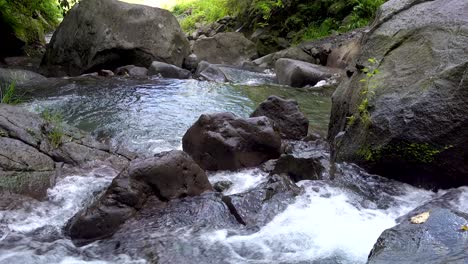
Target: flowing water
point(328, 223)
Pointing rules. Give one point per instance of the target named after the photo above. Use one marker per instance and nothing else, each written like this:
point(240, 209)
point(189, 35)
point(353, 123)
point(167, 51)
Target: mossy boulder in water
point(106, 34)
point(404, 112)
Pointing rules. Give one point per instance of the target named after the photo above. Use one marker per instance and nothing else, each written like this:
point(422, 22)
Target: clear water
point(325, 222)
point(153, 115)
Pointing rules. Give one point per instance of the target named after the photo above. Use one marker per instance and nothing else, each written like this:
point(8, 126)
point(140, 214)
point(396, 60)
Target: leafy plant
point(368, 90)
point(8, 94)
point(55, 134)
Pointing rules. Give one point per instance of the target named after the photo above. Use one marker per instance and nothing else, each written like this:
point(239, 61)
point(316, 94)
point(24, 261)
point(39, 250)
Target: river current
point(326, 223)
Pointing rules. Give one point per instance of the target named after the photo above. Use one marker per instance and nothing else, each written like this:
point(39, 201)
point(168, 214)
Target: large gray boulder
point(106, 34)
point(292, 123)
point(167, 176)
point(225, 48)
point(35, 152)
point(408, 120)
point(299, 73)
point(294, 53)
point(223, 141)
point(168, 71)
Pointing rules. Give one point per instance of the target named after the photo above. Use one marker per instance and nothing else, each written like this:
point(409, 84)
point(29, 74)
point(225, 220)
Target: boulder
point(294, 53)
point(302, 160)
point(286, 113)
point(257, 207)
point(225, 48)
point(408, 120)
point(299, 74)
point(210, 72)
point(35, 151)
point(168, 71)
point(233, 74)
point(439, 239)
point(223, 141)
point(337, 51)
point(17, 76)
point(131, 70)
point(159, 230)
point(166, 176)
point(191, 63)
point(110, 33)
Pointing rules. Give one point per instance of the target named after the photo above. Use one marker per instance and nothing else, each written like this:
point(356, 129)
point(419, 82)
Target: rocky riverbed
point(148, 148)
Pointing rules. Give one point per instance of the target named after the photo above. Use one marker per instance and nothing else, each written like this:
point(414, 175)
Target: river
point(327, 222)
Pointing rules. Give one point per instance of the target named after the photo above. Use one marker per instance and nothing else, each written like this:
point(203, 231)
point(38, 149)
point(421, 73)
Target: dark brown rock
point(286, 113)
point(223, 141)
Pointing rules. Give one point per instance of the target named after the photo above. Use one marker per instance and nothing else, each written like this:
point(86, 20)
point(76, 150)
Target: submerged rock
point(299, 74)
point(411, 125)
point(99, 34)
point(168, 71)
point(292, 123)
point(35, 151)
point(169, 175)
point(223, 141)
point(225, 48)
point(222, 186)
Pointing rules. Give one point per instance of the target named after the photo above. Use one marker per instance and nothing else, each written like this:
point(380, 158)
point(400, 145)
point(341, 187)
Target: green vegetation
point(30, 19)
point(192, 12)
point(9, 95)
point(300, 19)
point(56, 133)
point(413, 152)
point(368, 91)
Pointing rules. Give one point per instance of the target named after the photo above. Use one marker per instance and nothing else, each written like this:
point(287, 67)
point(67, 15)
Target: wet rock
point(223, 141)
point(337, 51)
point(258, 206)
point(191, 63)
point(299, 168)
point(159, 230)
point(210, 72)
point(286, 113)
point(438, 240)
point(168, 71)
point(299, 74)
point(225, 48)
point(34, 151)
point(17, 76)
point(295, 53)
point(109, 33)
point(303, 160)
point(167, 176)
point(222, 186)
point(233, 74)
point(172, 175)
point(106, 73)
point(412, 129)
point(131, 70)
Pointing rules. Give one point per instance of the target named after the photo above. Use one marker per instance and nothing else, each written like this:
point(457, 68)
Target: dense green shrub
point(192, 12)
point(308, 19)
point(30, 19)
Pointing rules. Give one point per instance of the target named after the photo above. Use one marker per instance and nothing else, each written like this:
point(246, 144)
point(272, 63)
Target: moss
point(411, 152)
point(30, 19)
